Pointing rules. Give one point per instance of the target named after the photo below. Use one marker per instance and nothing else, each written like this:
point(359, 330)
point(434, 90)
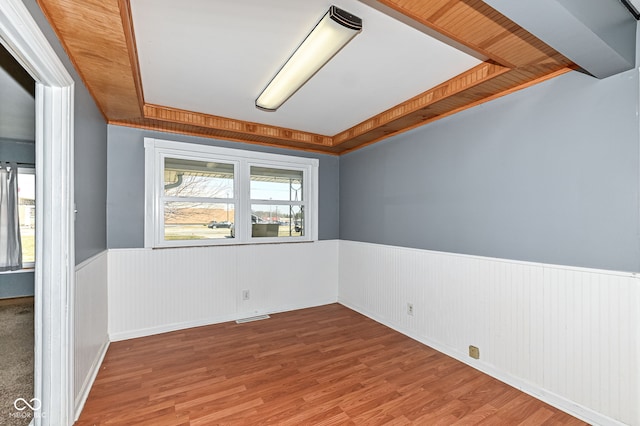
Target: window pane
point(277, 221)
point(198, 221)
point(276, 184)
point(189, 178)
point(27, 215)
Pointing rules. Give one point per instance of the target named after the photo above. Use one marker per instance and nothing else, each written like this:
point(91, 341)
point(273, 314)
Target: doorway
point(17, 150)
point(54, 278)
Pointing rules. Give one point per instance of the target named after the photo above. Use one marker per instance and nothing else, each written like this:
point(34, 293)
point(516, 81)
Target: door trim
point(55, 251)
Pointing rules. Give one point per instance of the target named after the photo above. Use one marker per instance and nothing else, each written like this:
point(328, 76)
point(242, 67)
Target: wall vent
point(256, 318)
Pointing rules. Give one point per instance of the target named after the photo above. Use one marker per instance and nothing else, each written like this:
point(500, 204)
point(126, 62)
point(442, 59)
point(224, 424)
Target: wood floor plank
point(320, 366)
point(218, 414)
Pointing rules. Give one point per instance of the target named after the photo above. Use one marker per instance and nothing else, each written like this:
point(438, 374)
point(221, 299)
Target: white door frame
point(55, 252)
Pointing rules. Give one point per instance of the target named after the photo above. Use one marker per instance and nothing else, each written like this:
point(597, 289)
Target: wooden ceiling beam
point(478, 26)
point(223, 124)
point(132, 50)
point(92, 34)
point(502, 85)
point(419, 105)
point(242, 135)
point(98, 36)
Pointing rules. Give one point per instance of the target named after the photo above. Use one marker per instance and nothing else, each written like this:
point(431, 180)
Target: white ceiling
point(216, 56)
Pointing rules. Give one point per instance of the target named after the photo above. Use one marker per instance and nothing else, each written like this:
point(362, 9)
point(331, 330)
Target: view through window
point(27, 214)
point(205, 195)
point(198, 193)
point(276, 202)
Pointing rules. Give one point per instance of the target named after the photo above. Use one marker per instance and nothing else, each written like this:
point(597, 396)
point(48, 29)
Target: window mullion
point(203, 200)
point(158, 202)
point(244, 207)
point(278, 202)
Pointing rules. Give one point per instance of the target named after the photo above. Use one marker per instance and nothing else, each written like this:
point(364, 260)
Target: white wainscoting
point(155, 291)
point(569, 336)
point(91, 337)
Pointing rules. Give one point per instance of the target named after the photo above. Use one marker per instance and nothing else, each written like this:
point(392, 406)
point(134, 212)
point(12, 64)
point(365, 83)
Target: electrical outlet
point(245, 295)
point(410, 309)
point(474, 352)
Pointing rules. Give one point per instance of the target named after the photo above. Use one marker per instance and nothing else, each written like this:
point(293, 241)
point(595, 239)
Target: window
point(201, 195)
point(277, 202)
point(27, 214)
point(197, 193)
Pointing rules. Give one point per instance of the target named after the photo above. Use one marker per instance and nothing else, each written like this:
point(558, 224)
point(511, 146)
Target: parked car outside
point(213, 224)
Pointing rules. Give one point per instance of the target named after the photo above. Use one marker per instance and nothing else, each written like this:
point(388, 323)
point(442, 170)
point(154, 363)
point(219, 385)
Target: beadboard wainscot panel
point(91, 338)
point(569, 336)
point(284, 277)
point(155, 291)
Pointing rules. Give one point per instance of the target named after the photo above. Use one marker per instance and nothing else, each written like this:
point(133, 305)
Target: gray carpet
point(16, 362)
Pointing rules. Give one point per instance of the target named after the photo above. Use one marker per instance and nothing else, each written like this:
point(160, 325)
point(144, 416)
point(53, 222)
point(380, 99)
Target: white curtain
point(10, 243)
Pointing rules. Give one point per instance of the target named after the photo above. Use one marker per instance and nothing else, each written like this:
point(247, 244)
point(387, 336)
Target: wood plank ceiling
point(98, 37)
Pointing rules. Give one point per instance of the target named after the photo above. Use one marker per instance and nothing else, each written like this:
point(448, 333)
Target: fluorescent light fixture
point(332, 33)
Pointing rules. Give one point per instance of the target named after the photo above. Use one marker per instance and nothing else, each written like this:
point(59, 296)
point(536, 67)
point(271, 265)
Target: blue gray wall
point(19, 151)
point(90, 156)
point(547, 174)
point(17, 284)
point(125, 206)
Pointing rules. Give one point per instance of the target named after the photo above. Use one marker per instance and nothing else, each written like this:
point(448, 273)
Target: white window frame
point(156, 150)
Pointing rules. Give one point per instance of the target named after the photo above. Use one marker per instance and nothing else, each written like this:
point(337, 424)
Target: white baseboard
point(83, 394)
point(143, 332)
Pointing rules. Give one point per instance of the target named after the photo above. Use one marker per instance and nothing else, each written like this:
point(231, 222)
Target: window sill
point(234, 244)
point(19, 271)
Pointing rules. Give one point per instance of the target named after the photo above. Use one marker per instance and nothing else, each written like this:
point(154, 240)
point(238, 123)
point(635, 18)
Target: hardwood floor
point(320, 366)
